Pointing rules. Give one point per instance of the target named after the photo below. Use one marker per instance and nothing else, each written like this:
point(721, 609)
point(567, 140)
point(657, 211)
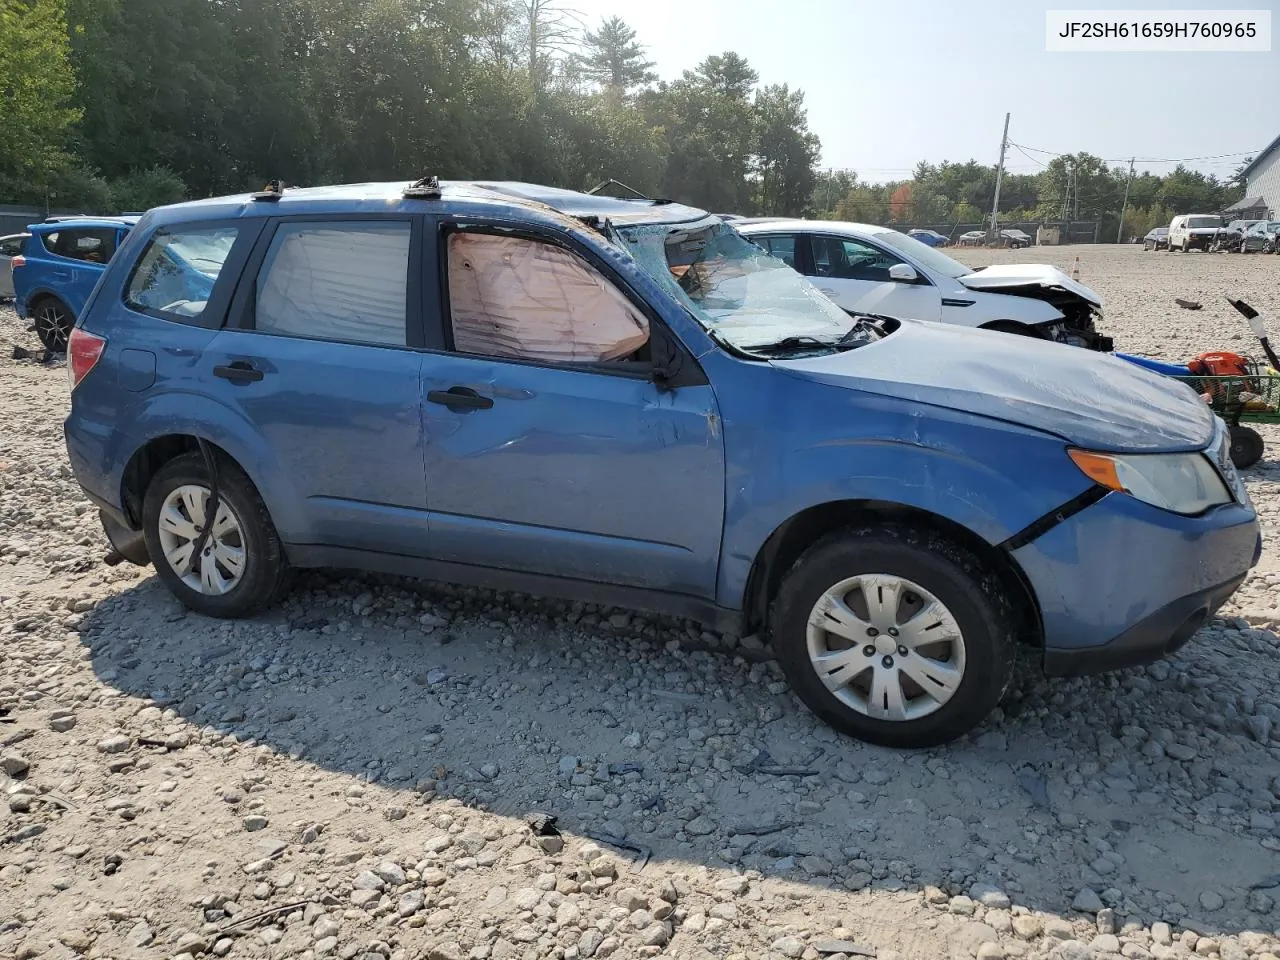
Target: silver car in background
point(10, 247)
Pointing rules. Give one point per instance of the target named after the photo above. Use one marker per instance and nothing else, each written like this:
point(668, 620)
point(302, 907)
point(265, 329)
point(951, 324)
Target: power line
point(1214, 156)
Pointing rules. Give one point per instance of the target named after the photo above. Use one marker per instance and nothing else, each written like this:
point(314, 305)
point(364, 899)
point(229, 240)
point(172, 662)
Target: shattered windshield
point(739, 292)
point(1200, 223)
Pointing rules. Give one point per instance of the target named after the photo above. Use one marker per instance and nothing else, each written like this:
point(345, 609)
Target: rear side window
point(177, 271)
point(87, 244)
point(336, 281)
point(11, 246)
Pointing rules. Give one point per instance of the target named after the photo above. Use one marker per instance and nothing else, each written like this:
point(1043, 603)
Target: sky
point(888, 83)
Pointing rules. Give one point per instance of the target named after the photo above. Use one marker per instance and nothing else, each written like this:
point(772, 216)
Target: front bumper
point(1123, 583)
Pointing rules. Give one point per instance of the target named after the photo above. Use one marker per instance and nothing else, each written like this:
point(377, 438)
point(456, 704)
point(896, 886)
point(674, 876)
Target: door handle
point(459, 398)
point(238, 372)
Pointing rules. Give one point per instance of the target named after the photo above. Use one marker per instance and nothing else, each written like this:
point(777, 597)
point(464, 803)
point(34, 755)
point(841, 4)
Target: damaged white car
point(880, 271)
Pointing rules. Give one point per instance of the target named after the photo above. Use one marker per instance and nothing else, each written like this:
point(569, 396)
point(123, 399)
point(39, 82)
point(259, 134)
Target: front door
point(855, 274)
point(321, 365)
point(550, 449)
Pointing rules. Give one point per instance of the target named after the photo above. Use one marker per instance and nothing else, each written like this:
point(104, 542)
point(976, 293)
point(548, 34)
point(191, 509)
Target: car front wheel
point(240, 567)
point(894, 635)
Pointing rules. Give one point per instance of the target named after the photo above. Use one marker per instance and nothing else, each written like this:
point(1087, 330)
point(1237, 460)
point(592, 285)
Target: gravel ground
point(350, 775)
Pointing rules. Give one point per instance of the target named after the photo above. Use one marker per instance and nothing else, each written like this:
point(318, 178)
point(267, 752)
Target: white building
point(1262, 190)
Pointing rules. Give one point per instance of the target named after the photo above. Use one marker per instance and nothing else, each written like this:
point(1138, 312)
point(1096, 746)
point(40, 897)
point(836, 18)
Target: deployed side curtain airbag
point(518, 298)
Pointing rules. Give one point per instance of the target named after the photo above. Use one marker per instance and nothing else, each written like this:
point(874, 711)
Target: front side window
point(523, 299)
point(178, 268)
point(845, 259)
point(336, 281)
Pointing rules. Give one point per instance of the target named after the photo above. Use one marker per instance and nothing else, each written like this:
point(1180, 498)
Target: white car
point(879, 271)
point(10, 247)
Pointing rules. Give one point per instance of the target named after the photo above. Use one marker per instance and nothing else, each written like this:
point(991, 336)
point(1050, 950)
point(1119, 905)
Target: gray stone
point(14, 764)
point(390, 873)
point(1259, 728)
point(368, 880)
point(118, 743)
point(1087, 901)
point(700, 826)
point(410, 903)
point(62, 724)
point(1211, 901)
point(789, 946)
point(325, 927)
point(989, 896)
point(255, 822)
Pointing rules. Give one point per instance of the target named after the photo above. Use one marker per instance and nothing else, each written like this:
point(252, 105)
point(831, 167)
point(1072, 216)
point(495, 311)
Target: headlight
point(1184, 483)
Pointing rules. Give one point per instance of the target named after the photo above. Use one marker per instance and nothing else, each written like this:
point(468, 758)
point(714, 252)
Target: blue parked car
point(62, 260)
point(929, 238)
point(626, 402)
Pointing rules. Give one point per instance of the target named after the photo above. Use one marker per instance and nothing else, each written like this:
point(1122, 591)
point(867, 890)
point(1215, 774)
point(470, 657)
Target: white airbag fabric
point(337, 283)
point(511, 297)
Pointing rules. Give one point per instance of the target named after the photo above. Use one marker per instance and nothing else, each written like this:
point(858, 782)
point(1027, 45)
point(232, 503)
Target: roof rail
point(428, 188)
point(271, 193)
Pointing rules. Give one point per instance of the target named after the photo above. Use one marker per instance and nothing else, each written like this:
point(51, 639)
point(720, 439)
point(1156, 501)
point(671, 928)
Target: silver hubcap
point(221, 563)
point(886, 647)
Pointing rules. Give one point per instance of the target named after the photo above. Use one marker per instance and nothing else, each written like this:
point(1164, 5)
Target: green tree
point(614, 59)
point(37, 89)
point(710, 127)
point(786, 152)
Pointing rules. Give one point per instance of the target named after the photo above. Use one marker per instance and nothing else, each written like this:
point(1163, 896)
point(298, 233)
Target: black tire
point(1247, 446)
point(266, 573)
point(53, 321)
point(972, 593)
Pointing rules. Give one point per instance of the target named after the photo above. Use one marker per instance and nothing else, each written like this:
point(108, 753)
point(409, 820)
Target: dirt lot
point(348, 776)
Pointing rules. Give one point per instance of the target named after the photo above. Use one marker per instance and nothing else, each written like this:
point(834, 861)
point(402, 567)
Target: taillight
point(18, 261)
point(83, 351)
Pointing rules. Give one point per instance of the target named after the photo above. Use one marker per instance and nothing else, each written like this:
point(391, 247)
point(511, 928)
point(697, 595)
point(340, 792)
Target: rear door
point(321, 357)
point(80, 254)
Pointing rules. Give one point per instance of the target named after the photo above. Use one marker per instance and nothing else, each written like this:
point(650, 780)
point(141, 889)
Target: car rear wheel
point(894, 635)
point(241, 567)
point(53, 322)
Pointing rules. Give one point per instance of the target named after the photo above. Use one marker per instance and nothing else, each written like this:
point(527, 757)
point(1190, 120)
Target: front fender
point(990, 478)
point(990, 307)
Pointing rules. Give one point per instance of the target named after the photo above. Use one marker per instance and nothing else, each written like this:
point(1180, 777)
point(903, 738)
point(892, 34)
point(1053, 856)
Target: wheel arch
point(800, 531)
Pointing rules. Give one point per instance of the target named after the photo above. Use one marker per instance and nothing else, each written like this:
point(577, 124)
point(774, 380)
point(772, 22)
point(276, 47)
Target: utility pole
point(1075, 192)
point(1124, 206)
point(995, 204)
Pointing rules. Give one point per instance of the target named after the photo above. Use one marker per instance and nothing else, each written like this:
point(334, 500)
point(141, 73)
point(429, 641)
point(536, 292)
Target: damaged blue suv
point(626, 402)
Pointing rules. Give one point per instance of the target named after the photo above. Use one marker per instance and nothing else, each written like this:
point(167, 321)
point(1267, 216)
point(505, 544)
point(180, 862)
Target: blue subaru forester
point(625, 402)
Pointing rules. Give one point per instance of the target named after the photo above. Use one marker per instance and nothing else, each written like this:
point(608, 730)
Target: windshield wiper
point(802, 342)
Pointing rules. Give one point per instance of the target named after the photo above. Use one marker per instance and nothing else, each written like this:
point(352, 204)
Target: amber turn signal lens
point(1098, 467)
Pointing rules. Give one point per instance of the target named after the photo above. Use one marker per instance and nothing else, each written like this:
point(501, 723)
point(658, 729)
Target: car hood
point(1007, 275)
point(1089, 399)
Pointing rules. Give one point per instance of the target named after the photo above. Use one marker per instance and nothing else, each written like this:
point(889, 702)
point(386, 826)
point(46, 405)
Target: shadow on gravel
point(1146, 788)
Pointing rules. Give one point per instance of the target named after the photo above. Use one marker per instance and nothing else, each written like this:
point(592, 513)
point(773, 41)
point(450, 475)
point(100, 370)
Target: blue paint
point(608, 477)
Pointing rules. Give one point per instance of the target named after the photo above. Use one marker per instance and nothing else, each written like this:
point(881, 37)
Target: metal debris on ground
point(847, 947)
point(1186, 304)
point(764, 763)
point(643, 852)
point(1266, 883)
